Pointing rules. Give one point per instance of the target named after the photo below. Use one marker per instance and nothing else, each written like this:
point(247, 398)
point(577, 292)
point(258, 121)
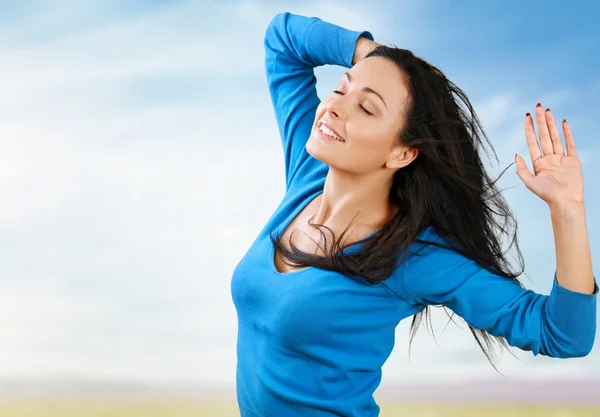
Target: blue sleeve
point(561, 325)
point(294, 45)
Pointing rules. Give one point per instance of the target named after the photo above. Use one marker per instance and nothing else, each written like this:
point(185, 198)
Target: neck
point(363, 200)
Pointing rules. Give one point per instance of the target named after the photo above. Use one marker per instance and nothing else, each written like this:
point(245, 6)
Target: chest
point(308, 306)
point(293, 306)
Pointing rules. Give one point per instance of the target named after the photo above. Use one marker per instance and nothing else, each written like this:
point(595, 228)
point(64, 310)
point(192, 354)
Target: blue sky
point(140, 158)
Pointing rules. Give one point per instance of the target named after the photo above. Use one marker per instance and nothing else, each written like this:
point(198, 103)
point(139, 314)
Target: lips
point(321, 122)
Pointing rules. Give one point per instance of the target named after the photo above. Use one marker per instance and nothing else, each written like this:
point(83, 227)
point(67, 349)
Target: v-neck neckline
point(284, 226)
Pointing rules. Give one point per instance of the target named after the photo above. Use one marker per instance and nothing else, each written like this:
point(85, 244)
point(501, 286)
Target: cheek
point(321, 108)
point(371, 140)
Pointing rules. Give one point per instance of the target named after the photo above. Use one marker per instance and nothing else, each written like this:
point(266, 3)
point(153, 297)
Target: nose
point(333, 108)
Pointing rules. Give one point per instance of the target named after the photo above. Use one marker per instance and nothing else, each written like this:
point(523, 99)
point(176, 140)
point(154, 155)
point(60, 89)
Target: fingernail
point(538, 105)
point(547, 109)
point(564, 120)
point(528, 115)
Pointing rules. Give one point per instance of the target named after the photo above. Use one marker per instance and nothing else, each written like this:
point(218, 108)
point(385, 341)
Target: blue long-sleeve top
point(313, 342)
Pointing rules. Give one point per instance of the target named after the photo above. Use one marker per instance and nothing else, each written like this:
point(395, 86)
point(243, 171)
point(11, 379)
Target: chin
point(312, 146)
point(316, 148)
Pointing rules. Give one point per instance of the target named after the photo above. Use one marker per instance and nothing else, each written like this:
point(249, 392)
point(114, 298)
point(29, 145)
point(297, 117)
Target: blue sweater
point(313, 342)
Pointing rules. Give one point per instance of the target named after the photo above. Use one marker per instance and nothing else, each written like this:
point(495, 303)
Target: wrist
point(567, 210)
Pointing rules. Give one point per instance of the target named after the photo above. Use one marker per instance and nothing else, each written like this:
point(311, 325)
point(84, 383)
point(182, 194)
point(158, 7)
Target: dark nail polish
point(564, 120)
point(528, 115)
point(538, 105)
point(547, 109)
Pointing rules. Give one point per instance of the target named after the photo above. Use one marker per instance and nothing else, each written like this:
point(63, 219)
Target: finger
point(542, 130)
point(554, 134)
point(522, 171)
point(532, 143)
point(571, 151)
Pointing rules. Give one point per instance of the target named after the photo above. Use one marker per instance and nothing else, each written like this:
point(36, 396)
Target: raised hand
point(362, 49)
point(557, 176)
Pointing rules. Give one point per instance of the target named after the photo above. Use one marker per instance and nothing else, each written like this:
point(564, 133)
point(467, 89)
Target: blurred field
point(189, 409)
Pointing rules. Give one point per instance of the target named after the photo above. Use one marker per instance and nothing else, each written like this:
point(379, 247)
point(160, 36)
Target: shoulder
point(437, 273)
point(433, 254)
point(428, 259)
point(433, 266)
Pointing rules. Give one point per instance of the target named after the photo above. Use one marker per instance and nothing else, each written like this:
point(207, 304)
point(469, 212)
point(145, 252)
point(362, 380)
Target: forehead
point(382, 75)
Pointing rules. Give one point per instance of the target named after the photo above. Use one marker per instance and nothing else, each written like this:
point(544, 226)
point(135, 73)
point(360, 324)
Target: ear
point(401, 156)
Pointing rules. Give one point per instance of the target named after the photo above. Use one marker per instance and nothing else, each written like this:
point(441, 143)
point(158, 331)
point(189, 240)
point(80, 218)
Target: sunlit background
point(140, 157)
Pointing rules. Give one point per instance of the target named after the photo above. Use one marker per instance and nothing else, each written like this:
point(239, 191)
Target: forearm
point(573, 257)
point(300, 42)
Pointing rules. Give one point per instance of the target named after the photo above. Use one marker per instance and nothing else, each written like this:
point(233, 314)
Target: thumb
point(522, 170)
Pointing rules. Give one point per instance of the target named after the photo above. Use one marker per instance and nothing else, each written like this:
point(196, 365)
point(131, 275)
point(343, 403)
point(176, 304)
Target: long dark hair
point(446, 187)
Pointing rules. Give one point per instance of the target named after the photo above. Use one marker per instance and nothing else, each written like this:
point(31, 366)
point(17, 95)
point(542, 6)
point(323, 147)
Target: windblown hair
point(446, 187)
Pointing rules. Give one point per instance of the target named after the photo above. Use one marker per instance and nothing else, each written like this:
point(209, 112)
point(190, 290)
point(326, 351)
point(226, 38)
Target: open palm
point(557, 177)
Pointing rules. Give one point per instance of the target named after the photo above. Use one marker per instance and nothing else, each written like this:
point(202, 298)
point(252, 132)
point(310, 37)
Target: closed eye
point(360, 105)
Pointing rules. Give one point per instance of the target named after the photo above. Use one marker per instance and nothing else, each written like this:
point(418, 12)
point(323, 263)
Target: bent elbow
point(569, 340)
point(571, 351)
point(580, 353)
point(274, 26)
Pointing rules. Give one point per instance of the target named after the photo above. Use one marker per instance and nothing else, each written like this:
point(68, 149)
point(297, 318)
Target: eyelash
point(361, 106)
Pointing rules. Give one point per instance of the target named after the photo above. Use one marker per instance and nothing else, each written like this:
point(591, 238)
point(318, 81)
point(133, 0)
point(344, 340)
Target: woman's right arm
point(294, 46)
point(363, 47)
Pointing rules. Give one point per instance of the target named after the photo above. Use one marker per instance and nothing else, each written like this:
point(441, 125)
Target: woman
point(388, 166)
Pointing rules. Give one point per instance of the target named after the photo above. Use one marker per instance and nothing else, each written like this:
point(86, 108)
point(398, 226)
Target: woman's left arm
point(558, 180)
point(562, 324)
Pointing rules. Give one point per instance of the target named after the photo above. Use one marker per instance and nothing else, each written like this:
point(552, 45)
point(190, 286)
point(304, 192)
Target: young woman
point(388, 210)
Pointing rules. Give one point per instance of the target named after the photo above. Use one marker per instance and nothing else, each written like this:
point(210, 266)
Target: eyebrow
point(367, 89)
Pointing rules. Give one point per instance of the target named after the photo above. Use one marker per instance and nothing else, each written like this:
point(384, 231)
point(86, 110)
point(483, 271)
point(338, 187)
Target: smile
point(328, 134)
